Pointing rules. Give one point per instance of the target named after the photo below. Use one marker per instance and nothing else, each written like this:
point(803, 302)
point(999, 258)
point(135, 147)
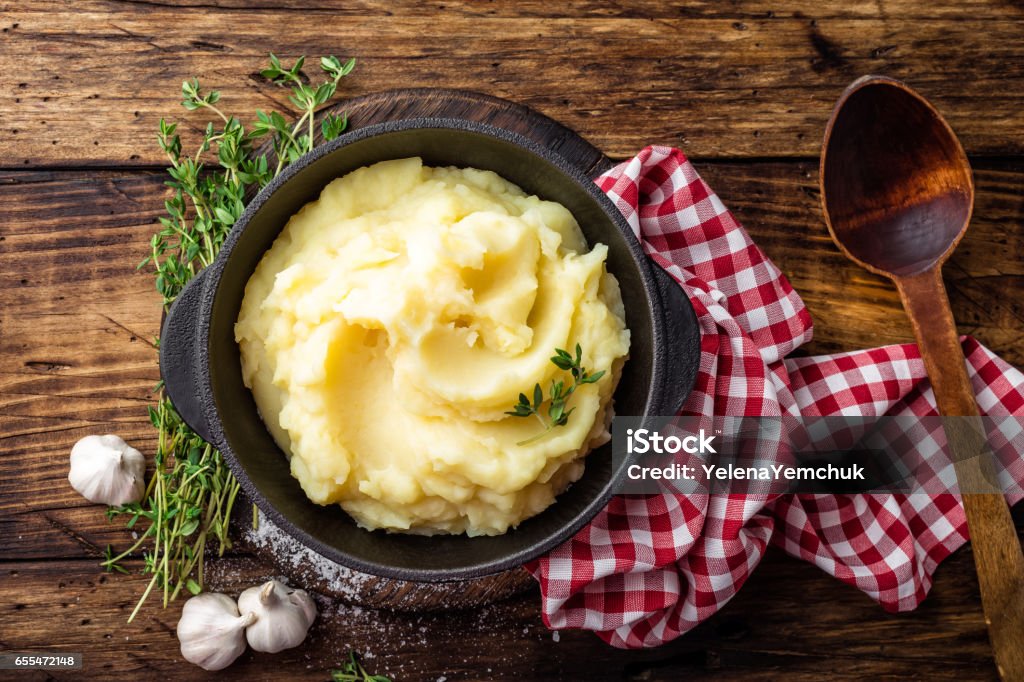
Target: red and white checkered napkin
point(648, 569)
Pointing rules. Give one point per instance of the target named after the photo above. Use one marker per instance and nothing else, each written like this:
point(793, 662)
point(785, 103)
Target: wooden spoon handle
point(997, 552)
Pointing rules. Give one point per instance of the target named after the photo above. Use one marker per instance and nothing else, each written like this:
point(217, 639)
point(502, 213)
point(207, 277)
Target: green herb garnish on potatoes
point(559, 395)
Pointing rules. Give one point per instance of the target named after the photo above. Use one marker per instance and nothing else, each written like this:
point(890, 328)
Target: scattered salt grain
point(306, 564)
point(335, 587)
point(555, 636)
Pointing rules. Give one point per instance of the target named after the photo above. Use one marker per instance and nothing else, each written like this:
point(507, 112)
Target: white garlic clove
point(211, 632)
point(106, 470)
point(283, 616)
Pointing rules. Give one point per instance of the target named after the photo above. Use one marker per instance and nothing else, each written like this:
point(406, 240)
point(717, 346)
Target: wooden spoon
point(897, 191)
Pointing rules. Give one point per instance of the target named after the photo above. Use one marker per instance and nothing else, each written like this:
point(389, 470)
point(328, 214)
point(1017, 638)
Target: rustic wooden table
point(744, 88)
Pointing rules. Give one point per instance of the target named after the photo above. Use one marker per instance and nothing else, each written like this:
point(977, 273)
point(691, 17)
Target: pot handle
point(178, 354)
point(682, 342)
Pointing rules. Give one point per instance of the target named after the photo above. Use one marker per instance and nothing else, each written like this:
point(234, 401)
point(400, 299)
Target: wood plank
point(589, 9)
point(75, 359)
point(76, 325)
point(828, 630)
point(90, 84)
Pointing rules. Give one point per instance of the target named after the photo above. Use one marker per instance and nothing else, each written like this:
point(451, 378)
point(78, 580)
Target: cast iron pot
point(199, 359)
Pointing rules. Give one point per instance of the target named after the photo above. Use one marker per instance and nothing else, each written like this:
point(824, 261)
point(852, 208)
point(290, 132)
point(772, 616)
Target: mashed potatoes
point(394, 322)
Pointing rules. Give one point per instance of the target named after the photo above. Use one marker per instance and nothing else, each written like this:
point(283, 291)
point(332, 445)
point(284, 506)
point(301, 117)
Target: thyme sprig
point(289, 144)
point(191, 493)
point(559, 394)
point(188, 501)
point(353, 671)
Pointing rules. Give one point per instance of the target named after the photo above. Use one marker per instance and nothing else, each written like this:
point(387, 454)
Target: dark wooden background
point(744, 87)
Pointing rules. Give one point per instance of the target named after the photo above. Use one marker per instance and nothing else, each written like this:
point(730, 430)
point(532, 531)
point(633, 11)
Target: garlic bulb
point(107, 470)
point(283, 616)
point(211, 632)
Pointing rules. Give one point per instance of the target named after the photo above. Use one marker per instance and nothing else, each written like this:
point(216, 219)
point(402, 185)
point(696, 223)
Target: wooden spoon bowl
point(896, 185)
